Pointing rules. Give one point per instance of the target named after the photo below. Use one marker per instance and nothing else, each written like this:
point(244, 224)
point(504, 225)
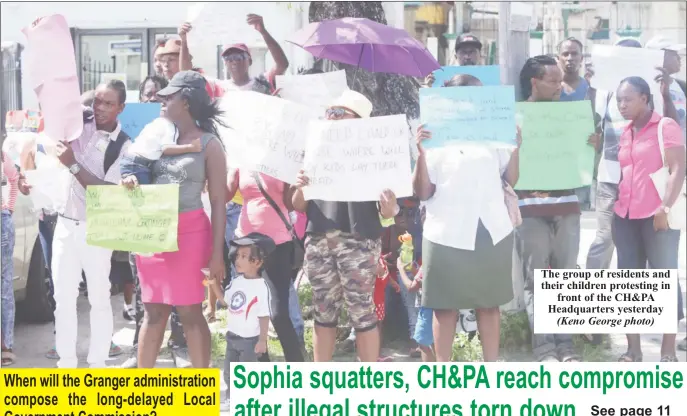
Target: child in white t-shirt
point(156, 139)
point(248, 300)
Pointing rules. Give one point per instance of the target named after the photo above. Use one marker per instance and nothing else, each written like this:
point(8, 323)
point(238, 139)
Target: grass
point(466, 350)
point(516, 339)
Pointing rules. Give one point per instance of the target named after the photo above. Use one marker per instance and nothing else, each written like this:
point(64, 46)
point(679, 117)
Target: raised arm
point(669, 109)
point(281, 63)
point(512, 173)
point(423, 187)
point(185, 59)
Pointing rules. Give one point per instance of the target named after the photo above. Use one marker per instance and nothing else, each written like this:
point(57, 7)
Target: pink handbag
point(511, 200)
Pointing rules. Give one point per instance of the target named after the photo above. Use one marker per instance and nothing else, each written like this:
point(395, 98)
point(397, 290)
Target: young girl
point(249, 302)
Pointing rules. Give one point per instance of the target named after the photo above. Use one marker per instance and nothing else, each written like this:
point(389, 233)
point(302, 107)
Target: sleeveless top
point(188, 170)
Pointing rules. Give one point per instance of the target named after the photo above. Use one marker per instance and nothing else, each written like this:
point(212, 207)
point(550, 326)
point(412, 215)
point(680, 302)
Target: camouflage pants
point(342, 268)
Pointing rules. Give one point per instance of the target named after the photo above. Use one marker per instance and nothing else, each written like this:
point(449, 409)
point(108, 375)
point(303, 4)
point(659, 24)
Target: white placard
point(317, 91)
point(49, 187)
point(265, 134)
point(612, 64)
point(356, 159)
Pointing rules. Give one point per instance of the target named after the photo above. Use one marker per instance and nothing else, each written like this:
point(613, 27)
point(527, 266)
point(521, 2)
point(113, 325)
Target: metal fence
point(11, 77)
point(91, 73)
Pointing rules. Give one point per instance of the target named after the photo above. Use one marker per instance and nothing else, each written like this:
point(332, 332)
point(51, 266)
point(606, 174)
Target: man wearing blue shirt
point(575, 88)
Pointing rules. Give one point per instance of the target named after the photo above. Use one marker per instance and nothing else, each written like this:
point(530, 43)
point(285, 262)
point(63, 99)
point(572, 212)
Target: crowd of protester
point(258, 233)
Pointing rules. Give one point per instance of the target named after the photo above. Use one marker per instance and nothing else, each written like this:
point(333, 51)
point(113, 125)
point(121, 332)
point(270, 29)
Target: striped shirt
point(10, 183)
point(89, 151)
point(548, 203)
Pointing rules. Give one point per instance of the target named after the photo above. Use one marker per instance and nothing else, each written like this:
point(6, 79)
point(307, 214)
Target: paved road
point(32, 341)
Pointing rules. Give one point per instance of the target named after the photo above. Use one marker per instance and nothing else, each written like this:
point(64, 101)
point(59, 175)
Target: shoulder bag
point(676, 216)
point(298, 248)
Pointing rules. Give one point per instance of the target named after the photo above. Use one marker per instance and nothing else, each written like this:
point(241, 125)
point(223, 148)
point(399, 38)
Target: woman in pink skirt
point(176, 279)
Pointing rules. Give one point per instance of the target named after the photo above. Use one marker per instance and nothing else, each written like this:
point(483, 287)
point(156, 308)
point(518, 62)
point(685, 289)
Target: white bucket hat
point(354, 101)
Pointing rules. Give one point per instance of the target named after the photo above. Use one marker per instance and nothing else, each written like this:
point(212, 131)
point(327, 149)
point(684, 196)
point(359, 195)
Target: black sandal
point(630, 357)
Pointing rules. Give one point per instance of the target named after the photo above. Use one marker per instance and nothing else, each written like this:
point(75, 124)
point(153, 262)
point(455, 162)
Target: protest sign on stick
point(136, 116)
point(490, 75)
point(554, 154)
point(356, 159)
point(142, 220)
point(264, 133)
point(477, 115)
point(317, 91)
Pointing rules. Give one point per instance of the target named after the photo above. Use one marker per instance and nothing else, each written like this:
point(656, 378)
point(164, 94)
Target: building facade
point(116, 40)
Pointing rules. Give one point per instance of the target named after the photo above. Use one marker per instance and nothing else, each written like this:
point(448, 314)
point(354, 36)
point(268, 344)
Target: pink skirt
point(176, 278)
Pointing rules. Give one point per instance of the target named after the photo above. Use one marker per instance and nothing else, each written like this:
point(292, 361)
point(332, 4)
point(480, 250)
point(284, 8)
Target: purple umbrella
point(367, 44)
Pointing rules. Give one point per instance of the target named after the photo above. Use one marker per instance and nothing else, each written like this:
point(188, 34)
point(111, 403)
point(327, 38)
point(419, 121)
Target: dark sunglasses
point(338, 112)
point(235, 57)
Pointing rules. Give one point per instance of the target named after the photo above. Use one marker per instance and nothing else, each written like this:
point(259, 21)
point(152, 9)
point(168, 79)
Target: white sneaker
point(181, 358)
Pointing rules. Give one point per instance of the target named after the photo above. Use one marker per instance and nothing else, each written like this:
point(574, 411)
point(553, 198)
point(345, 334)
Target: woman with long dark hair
point(176, 279)
point(641, 229)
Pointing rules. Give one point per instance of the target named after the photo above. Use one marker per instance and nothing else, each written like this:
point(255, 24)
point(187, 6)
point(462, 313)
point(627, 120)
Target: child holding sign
point(157, 138)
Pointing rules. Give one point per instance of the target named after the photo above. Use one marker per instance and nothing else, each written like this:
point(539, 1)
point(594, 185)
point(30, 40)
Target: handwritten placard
point(554, 154)
point(355, 160)
point(612, 64)
point(489, 75)
point(482, 115)
point(142, 220)
point(136, 115)
point(317, 91)
point(265, 134)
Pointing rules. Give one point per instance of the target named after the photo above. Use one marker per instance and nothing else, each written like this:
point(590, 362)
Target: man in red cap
point(237, 60)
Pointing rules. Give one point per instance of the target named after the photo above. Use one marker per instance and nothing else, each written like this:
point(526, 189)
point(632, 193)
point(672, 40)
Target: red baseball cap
point(237, 46)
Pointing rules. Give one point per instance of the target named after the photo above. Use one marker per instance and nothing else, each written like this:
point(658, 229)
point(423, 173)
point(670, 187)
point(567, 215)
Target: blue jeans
point(295, 314)
point(138, 166)
point(424, 335)
point(638, 243)
point(6, 289)
point(46, 229)
point(411, 309)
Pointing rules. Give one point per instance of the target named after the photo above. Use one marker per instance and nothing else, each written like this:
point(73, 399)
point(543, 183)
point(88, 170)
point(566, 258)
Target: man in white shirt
point(92, 159)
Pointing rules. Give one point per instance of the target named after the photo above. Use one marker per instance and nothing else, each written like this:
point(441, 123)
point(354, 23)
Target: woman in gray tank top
point(176, 279)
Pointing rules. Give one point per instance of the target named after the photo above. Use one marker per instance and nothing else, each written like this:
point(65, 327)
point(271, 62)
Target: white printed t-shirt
point(247, 300)
point(469, 188)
